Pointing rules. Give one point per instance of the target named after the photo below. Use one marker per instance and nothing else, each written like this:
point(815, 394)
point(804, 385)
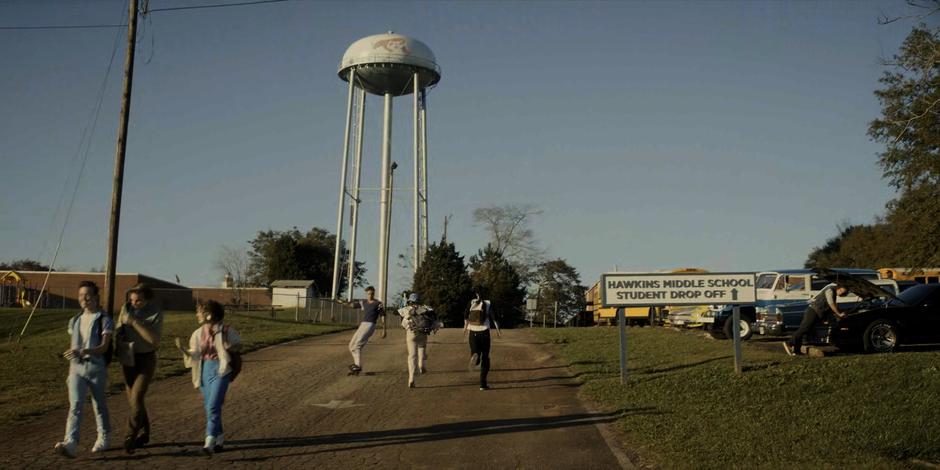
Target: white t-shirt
point(85, 323)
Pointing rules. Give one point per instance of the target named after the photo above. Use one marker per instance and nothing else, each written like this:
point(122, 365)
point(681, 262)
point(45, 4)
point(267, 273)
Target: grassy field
point(33, 372)
point(683, 406)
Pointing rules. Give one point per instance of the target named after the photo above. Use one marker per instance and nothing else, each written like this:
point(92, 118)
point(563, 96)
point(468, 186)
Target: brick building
point(62, 290)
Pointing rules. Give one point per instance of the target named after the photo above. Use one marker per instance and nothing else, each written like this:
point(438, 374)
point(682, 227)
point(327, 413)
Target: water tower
point(387, 65)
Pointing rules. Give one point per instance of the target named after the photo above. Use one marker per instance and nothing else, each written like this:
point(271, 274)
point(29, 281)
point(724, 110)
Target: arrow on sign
point(734, 294)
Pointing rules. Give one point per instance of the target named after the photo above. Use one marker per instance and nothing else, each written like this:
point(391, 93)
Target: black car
point(913, 317)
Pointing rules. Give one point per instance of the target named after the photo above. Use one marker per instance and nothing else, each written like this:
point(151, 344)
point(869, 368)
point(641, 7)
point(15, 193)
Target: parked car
point(781, 319)
point(773, 288)
point(687, 317)
point(913, 317)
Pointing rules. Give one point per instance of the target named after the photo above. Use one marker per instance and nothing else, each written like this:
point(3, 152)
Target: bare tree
point(510, 235)
point(234, 263)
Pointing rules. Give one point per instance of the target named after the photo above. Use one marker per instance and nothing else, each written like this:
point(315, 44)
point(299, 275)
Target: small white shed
point(292, 293)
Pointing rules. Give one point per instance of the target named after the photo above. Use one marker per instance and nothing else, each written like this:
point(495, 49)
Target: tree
point(856, 246)
point(24, 264)
point(509, 232)
point(443, 284)
point(293, 254)
point(559, 282)
point(494, 277)
point(910, 129)
point(234, 263)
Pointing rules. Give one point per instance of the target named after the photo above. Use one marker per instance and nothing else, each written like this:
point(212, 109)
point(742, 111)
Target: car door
point(928, 318)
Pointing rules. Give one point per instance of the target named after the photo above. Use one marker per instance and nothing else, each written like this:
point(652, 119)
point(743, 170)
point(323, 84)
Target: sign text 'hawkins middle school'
point(678, 289)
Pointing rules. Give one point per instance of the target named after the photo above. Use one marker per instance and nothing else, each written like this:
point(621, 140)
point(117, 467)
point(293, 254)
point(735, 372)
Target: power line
point(69, 26)
point(217, 5)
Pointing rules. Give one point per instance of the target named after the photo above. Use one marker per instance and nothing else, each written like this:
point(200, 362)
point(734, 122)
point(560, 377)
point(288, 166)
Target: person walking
point(419, 321)
point(138, 338)
point(477, 323)
point(212, 348)
point(823, 304)
point(372, 309)
point(88, 357)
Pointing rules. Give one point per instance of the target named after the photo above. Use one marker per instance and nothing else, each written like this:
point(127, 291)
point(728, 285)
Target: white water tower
point(387, 65)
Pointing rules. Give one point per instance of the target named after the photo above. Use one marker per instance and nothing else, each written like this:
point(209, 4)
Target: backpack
point(423, 320)
point(109, 352)
point(236, 359)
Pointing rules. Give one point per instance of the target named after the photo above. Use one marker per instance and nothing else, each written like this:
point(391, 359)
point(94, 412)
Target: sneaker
point(474, 360)
point(219, 440)
point(130, 443)
point(788, 349)
point(209, 447)
point(65, 449)
point(423, 370)
point(141, 440)
point(485, 387)
point(411, 385)
point(354, 368)
point(102, 444)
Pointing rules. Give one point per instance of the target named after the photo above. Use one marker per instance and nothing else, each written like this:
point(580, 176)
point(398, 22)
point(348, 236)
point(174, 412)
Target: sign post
point(736, 327)
point(621, 321)
point(657, 290)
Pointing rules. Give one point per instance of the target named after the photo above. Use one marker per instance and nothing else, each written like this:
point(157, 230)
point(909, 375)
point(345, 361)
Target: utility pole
point(117, 186)
point(556, 314)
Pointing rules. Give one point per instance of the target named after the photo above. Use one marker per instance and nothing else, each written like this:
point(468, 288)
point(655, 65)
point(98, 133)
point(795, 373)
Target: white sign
point(650, 290)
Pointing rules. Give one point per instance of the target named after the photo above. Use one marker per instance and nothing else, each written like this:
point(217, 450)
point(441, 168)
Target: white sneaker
point(209, 447)
point(65, 449)
point(102, 444)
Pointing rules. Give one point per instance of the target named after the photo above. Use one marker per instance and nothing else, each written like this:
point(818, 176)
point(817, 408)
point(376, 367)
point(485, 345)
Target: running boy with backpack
point(477, 323)
point(419, 321)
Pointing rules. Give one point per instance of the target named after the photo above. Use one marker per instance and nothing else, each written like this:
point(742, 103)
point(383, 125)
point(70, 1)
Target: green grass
point(684, 407)
point(33, 373)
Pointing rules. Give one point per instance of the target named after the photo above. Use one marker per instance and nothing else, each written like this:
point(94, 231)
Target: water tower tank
point(386, 63)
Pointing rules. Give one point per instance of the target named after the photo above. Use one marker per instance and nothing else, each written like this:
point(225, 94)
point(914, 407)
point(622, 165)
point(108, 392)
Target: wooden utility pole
point(118, 185)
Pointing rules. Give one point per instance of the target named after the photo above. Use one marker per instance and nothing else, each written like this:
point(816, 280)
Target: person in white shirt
point(91, 332)
point(419, 321)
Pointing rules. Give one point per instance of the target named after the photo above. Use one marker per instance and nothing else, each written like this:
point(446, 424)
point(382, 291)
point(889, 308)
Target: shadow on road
point(433, 433)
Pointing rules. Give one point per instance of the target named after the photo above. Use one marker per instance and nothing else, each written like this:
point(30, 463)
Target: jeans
point(83, 376)
point(359, 341)
point(810, 319)
point(213, 390)
point(136, 381)
point(417, 352)
point(480, 344)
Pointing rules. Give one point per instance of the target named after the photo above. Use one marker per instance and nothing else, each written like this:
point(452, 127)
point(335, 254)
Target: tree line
point(908, 232)
point(510, 268)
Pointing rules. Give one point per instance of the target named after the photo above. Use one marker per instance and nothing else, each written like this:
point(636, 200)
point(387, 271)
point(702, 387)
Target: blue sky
point(653, 135)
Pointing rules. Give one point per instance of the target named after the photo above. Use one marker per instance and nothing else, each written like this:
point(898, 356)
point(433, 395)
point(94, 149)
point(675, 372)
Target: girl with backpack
point(88, 356)
point(477, 323)
point(214, 360)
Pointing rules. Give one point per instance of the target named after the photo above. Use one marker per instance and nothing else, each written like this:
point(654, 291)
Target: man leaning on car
point(823, 303)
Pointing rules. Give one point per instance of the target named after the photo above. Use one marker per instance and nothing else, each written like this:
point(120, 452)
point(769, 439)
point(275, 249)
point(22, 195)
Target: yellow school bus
point(923, 276)
point(608, 316)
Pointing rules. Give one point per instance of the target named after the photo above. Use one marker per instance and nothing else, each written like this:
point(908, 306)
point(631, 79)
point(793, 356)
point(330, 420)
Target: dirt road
point(295, 407)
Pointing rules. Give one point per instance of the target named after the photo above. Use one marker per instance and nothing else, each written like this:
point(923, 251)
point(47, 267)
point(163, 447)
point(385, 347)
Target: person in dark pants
point(141, 325)
point(477, 323)
point(821, 305)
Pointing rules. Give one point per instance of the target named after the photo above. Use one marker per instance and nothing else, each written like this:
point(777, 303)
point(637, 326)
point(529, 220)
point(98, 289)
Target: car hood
point(857, 285)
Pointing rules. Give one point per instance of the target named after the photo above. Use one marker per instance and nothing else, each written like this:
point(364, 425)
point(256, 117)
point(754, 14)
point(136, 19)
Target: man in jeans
point(91, 332)
point(372, 310)
point(821, 305)
point(140, 330)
